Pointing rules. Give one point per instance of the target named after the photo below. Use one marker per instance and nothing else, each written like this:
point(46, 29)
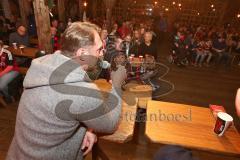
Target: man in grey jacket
point(60, 106)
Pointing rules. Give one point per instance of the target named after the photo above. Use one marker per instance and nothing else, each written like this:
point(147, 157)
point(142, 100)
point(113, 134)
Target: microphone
point(104, 64)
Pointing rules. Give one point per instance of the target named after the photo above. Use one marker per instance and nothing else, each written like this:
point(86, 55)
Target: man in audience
point(127, 45)
point(147, 47)
point(220, 46)
point(60, 110)
point(20, 36)
point(113, 47)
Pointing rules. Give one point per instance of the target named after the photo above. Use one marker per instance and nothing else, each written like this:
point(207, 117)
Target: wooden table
point(125, 130)
point(191, 127)
point(27, 52)
point(33, 40)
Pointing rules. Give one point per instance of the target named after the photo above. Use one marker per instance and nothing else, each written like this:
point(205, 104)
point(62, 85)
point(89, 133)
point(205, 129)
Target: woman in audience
point(136, 41)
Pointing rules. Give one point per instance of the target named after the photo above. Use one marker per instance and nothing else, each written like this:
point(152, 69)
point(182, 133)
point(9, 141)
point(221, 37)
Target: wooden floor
point(195, 86)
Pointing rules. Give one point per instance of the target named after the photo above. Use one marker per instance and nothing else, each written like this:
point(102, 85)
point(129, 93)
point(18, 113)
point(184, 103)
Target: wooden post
point(94, 8)
point(23, 6)
point(61, 10)
point(6, 9)
point(229, 12)
point(222, 17)
point(41, 12)
point(109, 6)
point(80, 9)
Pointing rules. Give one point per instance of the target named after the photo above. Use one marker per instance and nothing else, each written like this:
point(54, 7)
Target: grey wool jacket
point(58, 104)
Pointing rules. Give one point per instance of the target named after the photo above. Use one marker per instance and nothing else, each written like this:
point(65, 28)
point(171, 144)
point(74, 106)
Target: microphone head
point(105, 64)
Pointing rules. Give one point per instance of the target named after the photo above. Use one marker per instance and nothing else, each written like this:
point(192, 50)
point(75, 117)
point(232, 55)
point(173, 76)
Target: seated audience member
point(188, 39)
point(200, 54)
point(8, 71)
point(114, 44)
point(192, 49)
point(20, 36)
point(123, 30)
point(54, 24)
point(136, 41)
point(61, 27)
point(127, 45)
point(229, 41)
point(104, 73)
point(142, 33)
point(219, 46)
point(55, 39)
point(69, 21)
point(147, 47)
point(103, 36)
point(114, 29)
point(235, 39)
point(207, 50)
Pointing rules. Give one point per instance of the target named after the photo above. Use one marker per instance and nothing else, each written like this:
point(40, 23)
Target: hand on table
point(88, 142)
point(118, 77)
